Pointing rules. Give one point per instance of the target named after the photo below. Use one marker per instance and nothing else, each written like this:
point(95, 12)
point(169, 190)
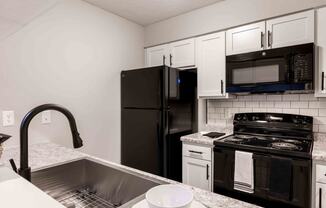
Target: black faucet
point(25, 170)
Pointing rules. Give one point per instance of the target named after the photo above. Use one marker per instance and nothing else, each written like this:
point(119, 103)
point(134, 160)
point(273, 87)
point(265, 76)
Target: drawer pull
point(196, 152)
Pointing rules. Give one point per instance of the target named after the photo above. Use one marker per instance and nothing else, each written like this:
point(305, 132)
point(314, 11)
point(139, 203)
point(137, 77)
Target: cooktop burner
point(285, 146)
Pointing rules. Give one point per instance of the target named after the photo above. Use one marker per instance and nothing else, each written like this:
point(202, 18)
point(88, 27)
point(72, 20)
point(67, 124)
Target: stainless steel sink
point(85, 183)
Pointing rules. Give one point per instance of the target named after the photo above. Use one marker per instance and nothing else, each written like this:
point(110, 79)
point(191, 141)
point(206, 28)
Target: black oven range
point(267, 160)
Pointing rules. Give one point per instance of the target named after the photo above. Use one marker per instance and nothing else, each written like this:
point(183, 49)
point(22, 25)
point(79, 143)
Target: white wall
point(71, 55)
point(225, 14)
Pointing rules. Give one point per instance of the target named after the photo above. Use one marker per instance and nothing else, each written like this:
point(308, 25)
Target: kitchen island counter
point(45, 155)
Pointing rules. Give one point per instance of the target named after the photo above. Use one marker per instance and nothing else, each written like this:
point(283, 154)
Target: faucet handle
point(13, 165)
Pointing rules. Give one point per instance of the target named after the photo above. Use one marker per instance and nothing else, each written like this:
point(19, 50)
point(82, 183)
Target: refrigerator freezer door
point(141, 140)
point(142, 88)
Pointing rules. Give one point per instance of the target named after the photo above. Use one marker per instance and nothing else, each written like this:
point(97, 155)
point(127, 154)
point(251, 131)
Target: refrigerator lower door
point(141, 140)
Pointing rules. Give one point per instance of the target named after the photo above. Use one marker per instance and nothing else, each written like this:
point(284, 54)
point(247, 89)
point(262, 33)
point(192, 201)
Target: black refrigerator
point(158, 106)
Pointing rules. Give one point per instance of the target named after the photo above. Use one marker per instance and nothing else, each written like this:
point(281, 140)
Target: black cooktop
point(268, 144)
point(284, 134)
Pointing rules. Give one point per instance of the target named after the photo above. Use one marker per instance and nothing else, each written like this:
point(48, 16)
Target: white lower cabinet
point(320, 196)
point(196, 172)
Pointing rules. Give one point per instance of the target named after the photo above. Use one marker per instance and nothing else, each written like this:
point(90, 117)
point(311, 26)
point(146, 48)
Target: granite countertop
point(44, 155)
point(319, 151)
point(198, 138)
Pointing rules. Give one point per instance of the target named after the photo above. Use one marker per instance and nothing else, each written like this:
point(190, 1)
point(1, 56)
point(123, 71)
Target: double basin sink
point(89, 184)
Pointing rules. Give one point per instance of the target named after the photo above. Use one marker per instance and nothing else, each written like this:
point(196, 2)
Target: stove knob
point(244, 118)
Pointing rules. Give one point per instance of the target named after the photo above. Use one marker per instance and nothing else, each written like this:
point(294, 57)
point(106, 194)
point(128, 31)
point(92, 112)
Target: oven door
point(283, 179)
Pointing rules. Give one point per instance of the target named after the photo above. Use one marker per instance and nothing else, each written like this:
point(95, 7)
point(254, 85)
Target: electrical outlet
point(8, 118)
point(46, 117)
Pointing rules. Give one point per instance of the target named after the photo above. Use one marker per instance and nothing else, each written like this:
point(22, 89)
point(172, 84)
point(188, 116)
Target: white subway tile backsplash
point(239, 104)
point(274, 110)
point(309, 112)
point(266, 104)
point(253, 104)
point(313, 104)
point(257, 110)
point(226, 104)
point(322, 112)
point(245, 110)
point(219, 110)
point(280, 104)
point(299, 104)
point(274, 97)
point(322, 128)
point(259, 97)
point(245, 98)
point(309, 97)
point(291, 111)
point(322, 104)
point(291, 97)
point(222, 112)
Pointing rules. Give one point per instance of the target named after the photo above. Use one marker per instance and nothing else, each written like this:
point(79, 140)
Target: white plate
point(144, 204)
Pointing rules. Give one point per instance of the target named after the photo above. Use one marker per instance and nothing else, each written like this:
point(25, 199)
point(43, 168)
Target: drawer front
point(321, 173)
point(198, 152)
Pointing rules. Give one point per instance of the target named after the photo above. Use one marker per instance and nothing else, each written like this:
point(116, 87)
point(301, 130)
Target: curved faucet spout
point(25, 170)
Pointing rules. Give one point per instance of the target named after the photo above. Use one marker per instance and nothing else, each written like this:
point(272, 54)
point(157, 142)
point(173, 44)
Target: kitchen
point(75, 53)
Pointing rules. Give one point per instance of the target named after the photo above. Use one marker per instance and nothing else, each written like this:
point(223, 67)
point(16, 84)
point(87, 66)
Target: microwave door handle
point(222, 87)
point(262, 40)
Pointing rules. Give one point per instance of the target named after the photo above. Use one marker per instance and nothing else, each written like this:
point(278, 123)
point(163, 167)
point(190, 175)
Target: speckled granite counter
point(319, 151)
point(198, 138)
point(48, 154)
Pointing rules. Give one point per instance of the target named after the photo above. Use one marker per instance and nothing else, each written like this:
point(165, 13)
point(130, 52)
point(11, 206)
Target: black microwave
point(288, 69)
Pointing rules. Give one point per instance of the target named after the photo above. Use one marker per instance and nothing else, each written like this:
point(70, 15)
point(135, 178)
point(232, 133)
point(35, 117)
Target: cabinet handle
point(170, 59)
point(269, 38)
point(262, 40)
point(222, 87)
point(196, 152)
point(322, 81)
point(164, 60)
point(320, 198)
point(207, 172)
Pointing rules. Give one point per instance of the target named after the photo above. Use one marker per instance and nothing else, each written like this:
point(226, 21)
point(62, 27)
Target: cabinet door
point(196, 173)
point(320, 196)
point(320, 53)
point(290, 30)
point(156, 56)
point(182, 53)
point(211, 65)
point(244, 39)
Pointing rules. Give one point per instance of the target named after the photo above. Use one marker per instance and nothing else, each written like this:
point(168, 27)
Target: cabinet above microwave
point(278, 32)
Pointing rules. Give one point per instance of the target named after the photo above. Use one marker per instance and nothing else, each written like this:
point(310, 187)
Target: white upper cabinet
point(246, 38)
point(211, 65)
point(156, 56)
point(320, 90)
point(182, 53)
point(290, 30)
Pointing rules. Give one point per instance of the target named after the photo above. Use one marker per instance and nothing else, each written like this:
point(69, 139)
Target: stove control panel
point(277, 119)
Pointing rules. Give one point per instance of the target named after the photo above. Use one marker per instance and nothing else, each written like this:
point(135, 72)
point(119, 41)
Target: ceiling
point(145, 12)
